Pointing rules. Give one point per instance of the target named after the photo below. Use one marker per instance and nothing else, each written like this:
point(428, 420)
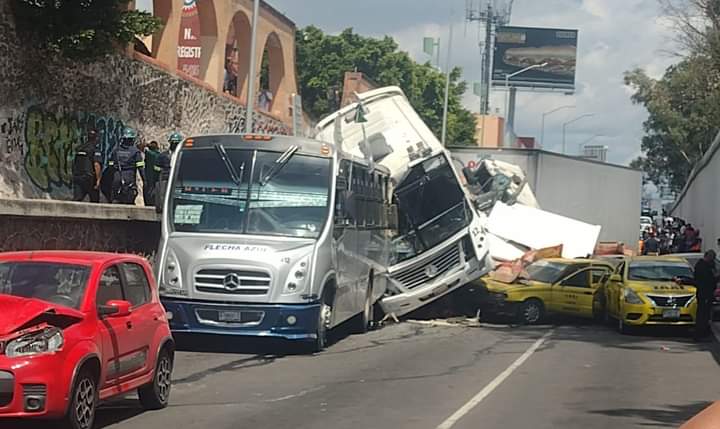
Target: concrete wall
point(593, 192)
point(699, 202)
point(47, 104)
point(54, 225)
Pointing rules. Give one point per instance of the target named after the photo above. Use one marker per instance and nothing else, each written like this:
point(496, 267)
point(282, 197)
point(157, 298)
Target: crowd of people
point(134, 173)
point(674, 236)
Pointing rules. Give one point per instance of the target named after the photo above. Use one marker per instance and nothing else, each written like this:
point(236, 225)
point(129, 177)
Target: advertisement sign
point(517, 48)
point(189, 45)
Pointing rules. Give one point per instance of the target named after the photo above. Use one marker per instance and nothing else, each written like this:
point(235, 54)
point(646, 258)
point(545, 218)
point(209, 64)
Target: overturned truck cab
point(441, 238)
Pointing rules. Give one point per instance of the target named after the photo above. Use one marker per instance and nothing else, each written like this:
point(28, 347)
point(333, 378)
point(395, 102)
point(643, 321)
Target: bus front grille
point(232, 282)
point(420, 274)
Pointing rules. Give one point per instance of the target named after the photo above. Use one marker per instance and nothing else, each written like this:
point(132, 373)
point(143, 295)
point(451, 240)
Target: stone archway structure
point(224, 21)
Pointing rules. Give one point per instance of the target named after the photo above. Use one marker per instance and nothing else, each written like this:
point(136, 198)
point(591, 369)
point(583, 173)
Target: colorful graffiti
point(51, 140)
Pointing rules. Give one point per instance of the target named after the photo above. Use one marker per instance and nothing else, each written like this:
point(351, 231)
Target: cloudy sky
point(615, 36)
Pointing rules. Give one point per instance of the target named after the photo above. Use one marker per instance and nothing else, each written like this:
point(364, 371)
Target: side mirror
point(617, 278)
point(114, 308)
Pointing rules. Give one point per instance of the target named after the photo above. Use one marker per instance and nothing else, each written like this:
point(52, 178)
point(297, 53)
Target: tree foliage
point(323, 59)
point(684, 105)
point(81, 29)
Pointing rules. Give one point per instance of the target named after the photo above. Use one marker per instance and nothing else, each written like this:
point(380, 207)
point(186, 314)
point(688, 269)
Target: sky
point(614, 36)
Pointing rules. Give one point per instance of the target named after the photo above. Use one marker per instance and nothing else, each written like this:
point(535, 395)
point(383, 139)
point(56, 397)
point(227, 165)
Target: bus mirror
point(392, 217)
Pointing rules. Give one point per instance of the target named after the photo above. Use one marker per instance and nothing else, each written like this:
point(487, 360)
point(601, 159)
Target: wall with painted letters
point(47, 105)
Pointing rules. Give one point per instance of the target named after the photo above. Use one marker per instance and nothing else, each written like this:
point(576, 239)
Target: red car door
point(144, 318)
point(113, 329)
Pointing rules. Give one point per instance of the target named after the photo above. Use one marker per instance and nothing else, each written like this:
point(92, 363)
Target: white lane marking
point(487, 390)
point(296, 395)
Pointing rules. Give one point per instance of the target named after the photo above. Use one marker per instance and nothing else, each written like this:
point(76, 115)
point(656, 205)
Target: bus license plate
point(229, 316)
point(671, 314)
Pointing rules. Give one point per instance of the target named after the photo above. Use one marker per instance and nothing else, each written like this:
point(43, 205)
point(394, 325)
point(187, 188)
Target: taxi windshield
point(62, 284)
point(545, 271)
point(659, 271)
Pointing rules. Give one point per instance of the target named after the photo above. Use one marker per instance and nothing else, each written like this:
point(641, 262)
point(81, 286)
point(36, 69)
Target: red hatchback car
point(77, 328)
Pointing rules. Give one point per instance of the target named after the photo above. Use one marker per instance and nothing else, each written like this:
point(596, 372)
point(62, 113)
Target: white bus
point(273, 236)
point(442, 237)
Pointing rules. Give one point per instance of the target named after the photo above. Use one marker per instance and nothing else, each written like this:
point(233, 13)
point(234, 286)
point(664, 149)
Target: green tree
point(323, 59)
point(81, 29)
point(684, 105)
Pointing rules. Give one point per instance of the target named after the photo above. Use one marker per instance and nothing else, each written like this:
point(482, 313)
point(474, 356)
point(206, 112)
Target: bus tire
point(324, 319)
point(366, 318)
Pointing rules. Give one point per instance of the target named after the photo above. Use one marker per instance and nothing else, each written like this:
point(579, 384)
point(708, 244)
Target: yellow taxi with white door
point(655, 290)
point(565, 286)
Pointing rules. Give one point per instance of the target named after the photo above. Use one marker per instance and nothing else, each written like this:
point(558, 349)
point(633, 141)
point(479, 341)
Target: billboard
point(519, 47)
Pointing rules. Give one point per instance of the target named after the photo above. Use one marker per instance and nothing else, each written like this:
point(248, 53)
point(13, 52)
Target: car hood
point(496, 286)
point(660, 288)
point(17, 312)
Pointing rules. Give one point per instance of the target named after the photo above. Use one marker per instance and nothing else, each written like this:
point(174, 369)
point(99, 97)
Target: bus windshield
point(284, 197)
point(432, 207)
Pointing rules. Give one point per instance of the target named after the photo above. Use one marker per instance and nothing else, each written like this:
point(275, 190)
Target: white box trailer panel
point(538, 229)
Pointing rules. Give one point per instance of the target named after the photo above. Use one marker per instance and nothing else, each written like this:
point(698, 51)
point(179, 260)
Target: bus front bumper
point(290, 322)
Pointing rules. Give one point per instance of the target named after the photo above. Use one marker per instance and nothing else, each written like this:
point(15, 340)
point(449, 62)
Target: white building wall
point(699, 203)
point(598, 193)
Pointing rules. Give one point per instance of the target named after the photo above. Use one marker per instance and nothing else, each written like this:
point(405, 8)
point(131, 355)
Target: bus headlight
point(297, 276)
point(171, 282)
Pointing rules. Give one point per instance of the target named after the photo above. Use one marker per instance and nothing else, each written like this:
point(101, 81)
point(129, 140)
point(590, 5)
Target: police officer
point(86, 170)
point(127, 161)
point(162, 166)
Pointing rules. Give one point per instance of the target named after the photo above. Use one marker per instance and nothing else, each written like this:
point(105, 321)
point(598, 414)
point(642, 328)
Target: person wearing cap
point(87, 166)
point(128, 162)
point(152, 153)
point(163, 165)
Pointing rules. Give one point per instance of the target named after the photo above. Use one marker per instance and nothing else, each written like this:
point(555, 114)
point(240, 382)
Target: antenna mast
point(489, 16)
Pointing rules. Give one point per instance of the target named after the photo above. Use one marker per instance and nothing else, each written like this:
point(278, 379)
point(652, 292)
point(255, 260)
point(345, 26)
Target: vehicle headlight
point(631, 297)
point(171, 282)
point(47, 340)
point(297, 276)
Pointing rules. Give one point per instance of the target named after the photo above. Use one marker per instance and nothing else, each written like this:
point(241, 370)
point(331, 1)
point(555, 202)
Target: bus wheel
point(367, 316)
point(323, 323)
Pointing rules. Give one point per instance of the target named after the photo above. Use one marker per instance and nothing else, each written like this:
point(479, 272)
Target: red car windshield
point(58, 283)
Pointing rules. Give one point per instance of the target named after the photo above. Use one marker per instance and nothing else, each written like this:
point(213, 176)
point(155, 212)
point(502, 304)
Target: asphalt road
point(410, 375)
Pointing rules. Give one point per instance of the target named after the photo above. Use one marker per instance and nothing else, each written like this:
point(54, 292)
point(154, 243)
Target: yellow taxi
point(566, 286)
point(651, 290)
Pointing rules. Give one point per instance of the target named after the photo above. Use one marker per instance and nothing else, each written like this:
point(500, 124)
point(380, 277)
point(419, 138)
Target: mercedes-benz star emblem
point(231, 282)
point(431, 271)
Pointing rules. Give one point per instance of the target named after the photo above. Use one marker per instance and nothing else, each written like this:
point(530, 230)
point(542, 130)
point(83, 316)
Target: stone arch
point(237, 47)
point(210, 61)
point(272, 71)
point(163, 9)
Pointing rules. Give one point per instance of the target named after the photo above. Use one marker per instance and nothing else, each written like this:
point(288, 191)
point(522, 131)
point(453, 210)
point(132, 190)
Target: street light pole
point(542, 125)
point(251, 72)
point(447, 86)
point(510, 97)
point(587, 115)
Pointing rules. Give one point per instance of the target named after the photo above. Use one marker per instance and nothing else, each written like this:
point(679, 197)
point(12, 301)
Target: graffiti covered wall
point(48, 104)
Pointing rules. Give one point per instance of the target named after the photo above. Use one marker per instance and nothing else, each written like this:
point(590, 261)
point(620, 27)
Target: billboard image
point(519, 47)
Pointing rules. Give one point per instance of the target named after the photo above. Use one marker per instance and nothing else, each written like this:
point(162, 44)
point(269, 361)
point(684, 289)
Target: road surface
point(411, 375)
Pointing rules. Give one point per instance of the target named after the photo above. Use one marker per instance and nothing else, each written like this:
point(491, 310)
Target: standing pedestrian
point(86, 170)
point(152, 152)
point(651, 246)
point(164, 164)
point(705, 283)
point(127, 161)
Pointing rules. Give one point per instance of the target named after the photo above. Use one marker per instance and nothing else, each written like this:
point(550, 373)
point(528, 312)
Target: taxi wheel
point(531, 312)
